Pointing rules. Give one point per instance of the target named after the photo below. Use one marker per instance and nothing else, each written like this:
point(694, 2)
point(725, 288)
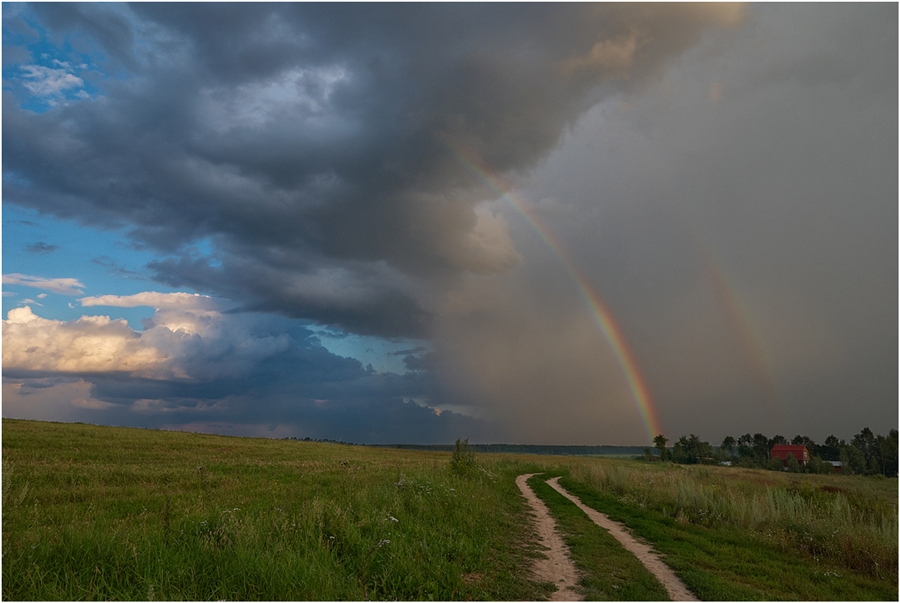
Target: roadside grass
point(848, 520)
point(737, 535)
point(110, 513)
point(609, 572)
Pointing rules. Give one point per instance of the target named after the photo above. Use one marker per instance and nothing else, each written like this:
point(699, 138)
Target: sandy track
point(673, 585)
point(558, 567)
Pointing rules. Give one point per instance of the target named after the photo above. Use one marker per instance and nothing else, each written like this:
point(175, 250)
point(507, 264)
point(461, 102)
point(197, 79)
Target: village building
point(799, 452)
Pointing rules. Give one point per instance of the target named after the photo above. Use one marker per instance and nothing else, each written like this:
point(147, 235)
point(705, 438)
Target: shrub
point(817, 465)
point(462, 461)
point(792, 464)
point(775, 465)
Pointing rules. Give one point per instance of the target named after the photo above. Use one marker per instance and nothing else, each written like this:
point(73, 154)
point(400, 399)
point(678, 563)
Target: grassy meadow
point(110, 513)
point(102, 513)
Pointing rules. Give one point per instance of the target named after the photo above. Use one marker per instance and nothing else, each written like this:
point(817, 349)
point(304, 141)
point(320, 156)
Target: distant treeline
point(510, 448)
point(529, 449)
point(320, 440)
point(865, 454)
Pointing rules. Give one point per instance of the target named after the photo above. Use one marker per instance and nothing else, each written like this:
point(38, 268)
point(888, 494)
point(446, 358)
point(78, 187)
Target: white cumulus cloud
point(46, 81)
point(87, 345)
point(153, 299)
point(177, 344)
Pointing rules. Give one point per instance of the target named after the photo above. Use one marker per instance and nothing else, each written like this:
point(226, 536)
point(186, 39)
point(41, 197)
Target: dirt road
point(556, 566)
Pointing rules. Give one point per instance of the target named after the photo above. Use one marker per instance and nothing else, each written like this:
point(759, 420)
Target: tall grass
point(852, 521)
point(102, 513)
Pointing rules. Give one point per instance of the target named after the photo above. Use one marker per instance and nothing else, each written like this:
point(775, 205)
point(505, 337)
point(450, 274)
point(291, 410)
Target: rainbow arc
point(600, 312)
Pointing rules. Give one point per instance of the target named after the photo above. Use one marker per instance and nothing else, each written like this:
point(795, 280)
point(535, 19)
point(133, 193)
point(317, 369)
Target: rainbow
point(749, 338)
point(726, 293)
point(600, 313)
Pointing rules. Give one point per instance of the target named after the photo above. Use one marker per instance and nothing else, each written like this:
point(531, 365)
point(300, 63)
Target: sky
point(521, 223)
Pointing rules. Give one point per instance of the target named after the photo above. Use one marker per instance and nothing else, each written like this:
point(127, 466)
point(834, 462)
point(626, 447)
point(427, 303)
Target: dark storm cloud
point(311, 143)
point(106, 26)
point(363, 297)
point(370, 415)
point(419, 360)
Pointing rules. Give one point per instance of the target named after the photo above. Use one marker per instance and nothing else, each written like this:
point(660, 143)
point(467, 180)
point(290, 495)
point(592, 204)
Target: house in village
point(781, 452)
point(838, 466)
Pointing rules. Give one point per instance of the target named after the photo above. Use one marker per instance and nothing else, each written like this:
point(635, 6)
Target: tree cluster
point(865, 454)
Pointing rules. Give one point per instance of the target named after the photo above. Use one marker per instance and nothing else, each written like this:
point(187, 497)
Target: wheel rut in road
point(559, 568)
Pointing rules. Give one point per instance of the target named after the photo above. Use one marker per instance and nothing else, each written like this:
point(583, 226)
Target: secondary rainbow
point(748, 336)
point(600, 313)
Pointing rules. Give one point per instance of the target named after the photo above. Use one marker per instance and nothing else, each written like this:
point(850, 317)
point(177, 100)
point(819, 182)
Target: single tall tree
point(660, 443)
point(761, 448)
point(728, 445)
point(831, 450)
point(777, 440)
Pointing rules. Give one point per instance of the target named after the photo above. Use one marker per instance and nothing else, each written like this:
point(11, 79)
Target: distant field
point(109, 513)
point(605, 451)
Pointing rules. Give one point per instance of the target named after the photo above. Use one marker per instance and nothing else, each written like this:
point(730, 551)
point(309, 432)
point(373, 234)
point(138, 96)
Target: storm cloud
point(722, 177)
point(315, 146)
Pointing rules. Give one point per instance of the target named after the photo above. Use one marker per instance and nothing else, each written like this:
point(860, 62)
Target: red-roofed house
point(781, 451)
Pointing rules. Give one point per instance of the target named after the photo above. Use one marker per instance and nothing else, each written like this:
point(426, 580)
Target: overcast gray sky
point(535, 223)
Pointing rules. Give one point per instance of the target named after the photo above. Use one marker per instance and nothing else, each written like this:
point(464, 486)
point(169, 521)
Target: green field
point(110, 513)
